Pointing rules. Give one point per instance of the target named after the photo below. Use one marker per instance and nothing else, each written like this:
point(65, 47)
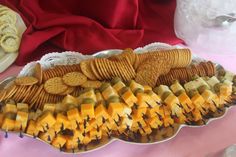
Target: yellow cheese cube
point(69, 99)
point(49, 107)
point(154, 96)
point(46, 121)
point(197, 115)
point(59, 141)
point(87, 110)
point(186, 102)
point(147, 88)
point(99, 97)
point(225, 90)
point(138, 121)
point(100, 111)
point(73, 124)
point(118, 86)
point(31, 128)
point(99, 121)
point(62, 122)
point(171, 100)
point(153, 112)
point(145, 130)
point(176, 87)
point(181, 119)
point(9, 108)
point(47, 136)
point(207, 96)
point(89, 94)
point(168, 121)
point(134, 86)
point(198, 101)
point(141, 102)
point(154, 122)
point(78, 135)
point(22, 107)
point(115, 109)
point(73, 114)
point(151, 102)
point(129, 98)
point(71, 144)
point(21, 121)
point(8, 124)
point(108, 92)
point(86, 140)
point(126, 122)
point(95, 134)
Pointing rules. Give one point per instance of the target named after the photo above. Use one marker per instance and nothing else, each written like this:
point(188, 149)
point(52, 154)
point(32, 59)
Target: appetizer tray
point(79, 103)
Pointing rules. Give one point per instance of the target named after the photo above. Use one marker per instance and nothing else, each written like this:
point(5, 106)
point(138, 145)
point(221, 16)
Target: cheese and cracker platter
point(139, 96)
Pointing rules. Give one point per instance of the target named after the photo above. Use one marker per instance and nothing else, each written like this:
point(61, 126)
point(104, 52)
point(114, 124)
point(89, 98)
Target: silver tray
point(159, 135)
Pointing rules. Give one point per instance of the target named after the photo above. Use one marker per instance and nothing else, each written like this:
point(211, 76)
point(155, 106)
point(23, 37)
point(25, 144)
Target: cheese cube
point(167, 121)
point(229, 76)
point(86, 140)
point(115, 109)
point(186, 102)
point(108, 92)
point(145, 131)
point(59, 141)
point(200, 82)
point(9, 108)
point(212, 81)
point(100, 111)
point(49, 107)
point(73, 114)
point(150, 102)
point(73, 124)
point(129, 98)
point(153, 112)
point(139, 112)
point(8, 124)
point(176, 87)
point(87, 110)
point(71, 143)
point(21, 121)
point(171, 100)
point(154, 96)
point(78, 135)
point(138, 122)
point(134, 86)
point(99, 97)
point(95, 134)
point(197, 115)
point(47, 136)
point(141, 100)
point(46, 121)
point(31, 128)
point(61, 122)
point(89, 94)
point(225, 90)
point(189, 86)
point(118, 86)
point(126, 122)
point(147, 88)
point(207, 96)
point(198, 101)
point(162, 89)
point(68, 99)
point(1, 119)
point(154, 122)
point(22, 107)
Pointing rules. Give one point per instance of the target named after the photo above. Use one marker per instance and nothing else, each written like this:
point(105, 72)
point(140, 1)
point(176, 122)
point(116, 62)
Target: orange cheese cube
point(31, 128)
point(22, 107)
point(129, 98)
point(198, 101)
point(73, 124)
point(46, 121)
point(153, 112)
point(49, 107)
point(59, 141)
point(181, 119)
point(126, 121)
point(186, 102)
point(118, 86)
point(8, 124)
point(21, 121)
point(197, 115)
point(9, 108)
point(115, 109)
point(225, 90)
point(168, 121)
point(108, 92)
point(100, 111)
point(139, 112)
point(171, 100)
point(207, 96)
point(87, 110)
point(47, 136)
point(147, 88)
point(73, 114)
point(138, 121)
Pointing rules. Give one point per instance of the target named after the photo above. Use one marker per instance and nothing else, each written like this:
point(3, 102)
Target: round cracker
point(74, 79)
point(26, 81)
point(55, 85)
point(38, 73)
point(86, 69)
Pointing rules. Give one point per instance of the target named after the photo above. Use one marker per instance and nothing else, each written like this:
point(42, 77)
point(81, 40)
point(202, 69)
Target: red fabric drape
point(89, 26)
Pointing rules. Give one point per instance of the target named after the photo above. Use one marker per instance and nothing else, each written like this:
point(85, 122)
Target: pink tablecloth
point(190, 142)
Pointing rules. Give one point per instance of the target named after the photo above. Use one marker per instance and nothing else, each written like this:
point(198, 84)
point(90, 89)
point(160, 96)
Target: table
point(204, 141)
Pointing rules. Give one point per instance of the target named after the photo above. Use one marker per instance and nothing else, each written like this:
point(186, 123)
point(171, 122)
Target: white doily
point(70, 57)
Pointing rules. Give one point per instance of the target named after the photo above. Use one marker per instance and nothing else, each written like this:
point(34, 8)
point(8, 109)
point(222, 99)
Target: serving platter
point(158, 136)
